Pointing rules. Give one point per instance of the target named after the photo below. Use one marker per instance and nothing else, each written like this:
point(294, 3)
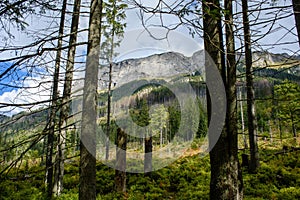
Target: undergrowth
point(188, 178)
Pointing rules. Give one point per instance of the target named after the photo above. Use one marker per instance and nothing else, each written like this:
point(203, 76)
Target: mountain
point(164, 66)
point(270, 65)
point(267, 59)
point(170, 65)
point(3, 118)
point(175, 66)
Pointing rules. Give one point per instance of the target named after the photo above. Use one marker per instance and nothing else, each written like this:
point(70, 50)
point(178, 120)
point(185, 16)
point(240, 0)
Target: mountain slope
point(159, 66)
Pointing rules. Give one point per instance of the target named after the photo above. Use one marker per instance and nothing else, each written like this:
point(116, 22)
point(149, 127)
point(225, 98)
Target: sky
point(136, 43)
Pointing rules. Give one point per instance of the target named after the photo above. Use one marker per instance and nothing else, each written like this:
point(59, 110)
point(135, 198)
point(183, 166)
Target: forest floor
point(187, 178)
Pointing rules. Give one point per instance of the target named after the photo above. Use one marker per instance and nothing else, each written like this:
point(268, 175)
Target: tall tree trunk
point(111, 53)
point(213, 44)
point(161, 137)
point(43, 152)
point(87, 181)
point(120, 173)
point(65, 108)
point(252, 122)
point(280, 129)
point(242, 118)
point(293, 126)
point(235, 174)
point(5, 153)
point(225, 177)
point(296, 7)
point(54, 104)
point(108, 112)
point(270, 131)
point(148, 154)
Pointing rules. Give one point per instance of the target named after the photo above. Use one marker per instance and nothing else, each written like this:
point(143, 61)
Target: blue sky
point(10, 78)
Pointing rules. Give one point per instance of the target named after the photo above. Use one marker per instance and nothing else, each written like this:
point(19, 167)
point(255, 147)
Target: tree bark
point(252, 122)
point(108, 110)
point(54, 105)
point(234, 176)
point(161, 137)
point(242, 118)
point(212, 44)
point(148, 154)
point(87, 181)
point(65, 108)
point(270, 131)
point(293, 127)
point(225, 177)
point(120, 173)
point(296, 7)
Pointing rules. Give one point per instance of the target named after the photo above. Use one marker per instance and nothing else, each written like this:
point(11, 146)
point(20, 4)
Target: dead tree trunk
point(108, 112)
point(293, 126)
point(252, 122)
point(54, 104)
point(120, 173)
point(148, 154)
point(87, 180)
point(65, 107)
point(242, 119)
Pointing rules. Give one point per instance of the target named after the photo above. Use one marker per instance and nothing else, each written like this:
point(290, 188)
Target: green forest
point(104, 99)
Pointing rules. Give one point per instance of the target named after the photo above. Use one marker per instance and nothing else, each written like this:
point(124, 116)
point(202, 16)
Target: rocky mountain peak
point(158, 66)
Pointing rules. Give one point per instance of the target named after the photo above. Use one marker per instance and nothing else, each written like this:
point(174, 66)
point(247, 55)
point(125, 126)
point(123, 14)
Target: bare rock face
point(264, 59)
point(167, 66)
point(159, 66)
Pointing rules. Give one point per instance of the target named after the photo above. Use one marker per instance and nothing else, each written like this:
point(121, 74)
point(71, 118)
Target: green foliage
point(174, 119)
point(20, 189)
point(187, 178)
point(113, 26)
point(167, 117)
point(197, 143)
point(203, 122)
point(290, 193)
point(189, 119)
point(158, 121)
point(264, 114)
point(277, 178)
point(140, 114)
point(105, 177)
point(71, 180)
point(69, 195)
point(287, 103)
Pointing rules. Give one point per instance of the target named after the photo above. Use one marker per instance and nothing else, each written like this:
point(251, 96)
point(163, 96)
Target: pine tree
point(113, 29)
point(287, 97)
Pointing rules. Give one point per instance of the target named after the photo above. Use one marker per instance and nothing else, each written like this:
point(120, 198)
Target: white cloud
point(35, 90)
point(139, 43)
